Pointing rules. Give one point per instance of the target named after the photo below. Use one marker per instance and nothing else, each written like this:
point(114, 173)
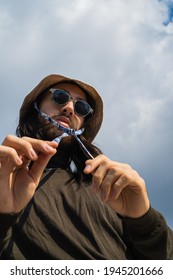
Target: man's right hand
point(18, 182)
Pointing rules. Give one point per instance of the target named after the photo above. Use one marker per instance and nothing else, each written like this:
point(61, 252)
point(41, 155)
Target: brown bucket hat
point(93, 124)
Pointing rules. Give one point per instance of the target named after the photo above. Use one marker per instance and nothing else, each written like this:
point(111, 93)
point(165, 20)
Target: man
point(60, 197)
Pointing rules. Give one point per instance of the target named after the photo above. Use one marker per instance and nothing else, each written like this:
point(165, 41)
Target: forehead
point(74, 90)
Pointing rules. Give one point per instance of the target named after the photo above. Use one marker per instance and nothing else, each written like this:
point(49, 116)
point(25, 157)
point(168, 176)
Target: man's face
point(64, 114)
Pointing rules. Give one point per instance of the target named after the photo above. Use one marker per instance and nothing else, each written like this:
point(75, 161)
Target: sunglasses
point(62, 97)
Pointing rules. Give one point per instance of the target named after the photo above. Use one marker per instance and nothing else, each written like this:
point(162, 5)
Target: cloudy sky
point(124, 48)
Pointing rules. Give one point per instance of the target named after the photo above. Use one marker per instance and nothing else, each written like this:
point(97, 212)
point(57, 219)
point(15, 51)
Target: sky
point(122, 48)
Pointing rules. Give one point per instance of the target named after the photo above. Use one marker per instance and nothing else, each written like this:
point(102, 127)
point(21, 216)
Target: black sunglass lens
point(82, 108)
point(60, 96)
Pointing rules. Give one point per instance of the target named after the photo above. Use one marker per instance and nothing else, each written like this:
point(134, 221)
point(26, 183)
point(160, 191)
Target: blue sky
point(124, 49)
point(169, 17)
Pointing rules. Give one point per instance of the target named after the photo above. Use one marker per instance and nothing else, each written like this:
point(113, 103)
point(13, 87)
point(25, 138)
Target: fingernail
point(33, 153)
point(18, 160)
point(48, 148)
point(88, 168)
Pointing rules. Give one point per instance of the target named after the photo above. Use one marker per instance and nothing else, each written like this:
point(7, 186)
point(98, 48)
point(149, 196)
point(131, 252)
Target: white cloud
point(72, 12)
point(5, 22)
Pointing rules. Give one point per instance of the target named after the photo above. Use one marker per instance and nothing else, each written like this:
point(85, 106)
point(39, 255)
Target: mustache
point(47, 123)
point(49, 131)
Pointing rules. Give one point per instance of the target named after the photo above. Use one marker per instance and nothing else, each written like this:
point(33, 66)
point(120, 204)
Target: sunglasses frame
point(52, 90)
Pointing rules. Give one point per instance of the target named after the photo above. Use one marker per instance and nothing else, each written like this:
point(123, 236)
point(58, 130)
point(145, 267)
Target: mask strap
point(67, 131)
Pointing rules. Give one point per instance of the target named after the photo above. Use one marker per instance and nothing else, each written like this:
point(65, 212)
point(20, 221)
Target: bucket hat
point(92, 125)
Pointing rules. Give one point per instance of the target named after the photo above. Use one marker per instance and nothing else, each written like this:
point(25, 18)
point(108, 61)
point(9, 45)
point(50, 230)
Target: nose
point(68, 109)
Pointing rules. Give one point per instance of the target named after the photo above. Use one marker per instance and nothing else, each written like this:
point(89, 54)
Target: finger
point(129, 179)
point(8, 153)
point(119, 185)
point(105, 175)
point(109, 180)
point(39, 166)
point(92, 164)
point(29, 146)
point(41, 145)
point(98, 167)
point(20, 146)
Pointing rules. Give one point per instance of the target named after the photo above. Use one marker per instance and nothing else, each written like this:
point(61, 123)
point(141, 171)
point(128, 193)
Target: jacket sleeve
point(149, 237)
point(6, 223)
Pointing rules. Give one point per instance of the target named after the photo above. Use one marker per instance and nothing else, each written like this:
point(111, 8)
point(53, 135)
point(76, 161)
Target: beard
point(48, 131)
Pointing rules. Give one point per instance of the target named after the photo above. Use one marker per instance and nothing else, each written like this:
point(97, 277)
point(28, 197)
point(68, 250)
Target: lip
point(63, 121)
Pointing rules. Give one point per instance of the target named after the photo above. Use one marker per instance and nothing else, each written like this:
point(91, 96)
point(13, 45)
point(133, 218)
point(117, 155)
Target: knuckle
point(12, 152)
point(103, 158)
point(124, 178)
point(26, 145)
point(8, 138)
point(114, 168)
point(122, 181)
point(127, 166)
point(142, 181)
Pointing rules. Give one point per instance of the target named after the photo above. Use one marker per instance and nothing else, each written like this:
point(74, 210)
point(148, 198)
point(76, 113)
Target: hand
point(119, 186)
point(17, 182)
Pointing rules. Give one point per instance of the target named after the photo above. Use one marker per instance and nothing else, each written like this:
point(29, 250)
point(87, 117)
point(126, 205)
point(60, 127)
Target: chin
point(50, 132)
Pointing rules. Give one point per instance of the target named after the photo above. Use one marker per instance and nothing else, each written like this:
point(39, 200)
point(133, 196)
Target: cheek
point(47, 108)
point(81, 122)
